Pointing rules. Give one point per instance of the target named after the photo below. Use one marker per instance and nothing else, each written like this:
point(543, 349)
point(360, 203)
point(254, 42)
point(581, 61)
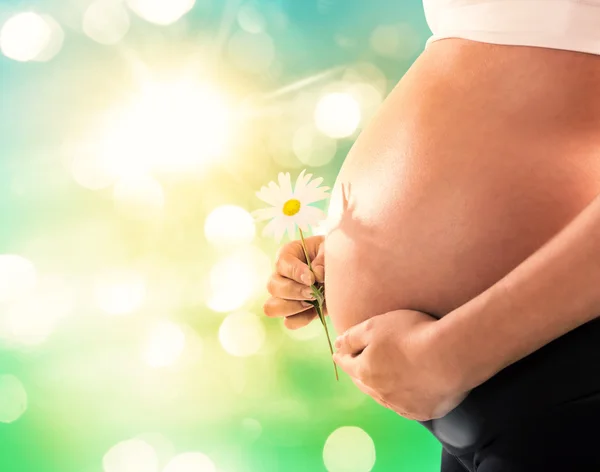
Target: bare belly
point(478, 157)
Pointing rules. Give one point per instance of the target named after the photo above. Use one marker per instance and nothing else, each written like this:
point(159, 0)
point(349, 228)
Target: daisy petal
point(285, 186)
point(291, 229)
point(269, 195)
point(300, 185)
point(315, 195)
point(280, 229)
point(264, 213)
point(312, 216)
point(276, 227)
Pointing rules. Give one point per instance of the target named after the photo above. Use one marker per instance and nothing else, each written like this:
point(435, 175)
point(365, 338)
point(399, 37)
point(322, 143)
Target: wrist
point(467, 344)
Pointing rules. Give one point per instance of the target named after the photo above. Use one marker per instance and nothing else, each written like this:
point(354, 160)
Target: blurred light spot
point(140, 196)
point(229, 225)
point(368, 97)
point(13, 398)
point(133, 455)
point(119, 292)
point(242, 334)
point(165, 345)
point(365, 72)
point(89, 169)
point(398, 41)
point(162, 446)
point(313, 148)
point(30, 321)
point(337, 115)
point(252, 428)
point(106, 21)
point(250, 19)
point(162, 12)
point(345, 41)
point(311, 331)
point(252, 52)
point(236, 278)
point(25, 36)
point(170, 127)
point(17, 277)
point(55, 43)
point(190, 462)
point(349, 449)
point(279, 147)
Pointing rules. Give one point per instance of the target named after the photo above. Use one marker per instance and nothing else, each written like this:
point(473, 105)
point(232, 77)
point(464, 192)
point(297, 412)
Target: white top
point(573, 25)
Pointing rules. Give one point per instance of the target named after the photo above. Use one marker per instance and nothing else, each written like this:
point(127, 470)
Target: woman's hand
point(289, 285)
point(393, 358)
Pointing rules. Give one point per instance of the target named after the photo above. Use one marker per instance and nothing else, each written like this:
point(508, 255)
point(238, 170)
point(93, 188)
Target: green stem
point(319, 305)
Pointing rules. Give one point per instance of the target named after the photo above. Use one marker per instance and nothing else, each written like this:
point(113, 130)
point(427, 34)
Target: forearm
point(552, 292)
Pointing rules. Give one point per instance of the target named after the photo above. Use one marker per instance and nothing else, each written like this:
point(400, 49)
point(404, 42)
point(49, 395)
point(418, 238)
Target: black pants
point(541, 413)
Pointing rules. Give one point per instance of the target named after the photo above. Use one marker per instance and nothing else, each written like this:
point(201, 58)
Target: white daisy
point(291, 207)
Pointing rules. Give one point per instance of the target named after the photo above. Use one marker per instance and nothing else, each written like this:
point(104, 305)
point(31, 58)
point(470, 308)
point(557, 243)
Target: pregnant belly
point(462, 174)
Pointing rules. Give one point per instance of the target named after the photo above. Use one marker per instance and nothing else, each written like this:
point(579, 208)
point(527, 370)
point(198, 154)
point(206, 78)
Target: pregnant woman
point(463, 259)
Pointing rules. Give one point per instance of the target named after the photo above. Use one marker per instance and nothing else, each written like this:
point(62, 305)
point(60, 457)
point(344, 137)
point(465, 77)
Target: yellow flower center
point(291, 207)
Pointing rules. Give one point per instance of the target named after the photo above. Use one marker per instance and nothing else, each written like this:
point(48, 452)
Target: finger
point(282, 287)
point(299, 321)
point(290, 266)
point(379, 399)
point(349, 364)
point(276, 307)
point(371, 392)
point(356, 339)
point(318, 264)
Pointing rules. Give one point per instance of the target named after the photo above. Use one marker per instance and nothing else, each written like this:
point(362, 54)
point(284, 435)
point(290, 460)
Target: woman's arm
point(551, 293)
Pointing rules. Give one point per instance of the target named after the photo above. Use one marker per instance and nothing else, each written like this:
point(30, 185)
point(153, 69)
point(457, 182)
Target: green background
point(86, 388)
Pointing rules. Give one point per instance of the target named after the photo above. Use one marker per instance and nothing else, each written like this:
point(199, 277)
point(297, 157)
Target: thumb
point(318, 263)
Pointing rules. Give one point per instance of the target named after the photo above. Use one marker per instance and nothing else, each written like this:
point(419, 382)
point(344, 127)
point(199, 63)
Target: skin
point(481, 154)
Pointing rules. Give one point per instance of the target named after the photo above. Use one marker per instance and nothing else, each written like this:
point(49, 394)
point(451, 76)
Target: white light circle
point(313, 148)
point(168, 127)
point(106, 21)
point(252, 52)
point(55, 43)
point(161, 12)
point(32, 319)
point(242, 334)
point(139, 196)
point(28, 323)
point(365, 72)
point(13, 398)
point(25, 36)
point(349, 449)
point(250, 19)
point(89, 170)
point(119, 292)
point(164, 345)
point(191, 462)
point(133, 455)
point(337, 115)
point(399, 41)
point(18, 277)
point(236, 278)
point(229, 225)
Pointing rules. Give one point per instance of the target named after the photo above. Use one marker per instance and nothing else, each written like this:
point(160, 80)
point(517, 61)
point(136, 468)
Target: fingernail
point(307, 305)
point(305, 278)
point(308, 294)
point(338, 342)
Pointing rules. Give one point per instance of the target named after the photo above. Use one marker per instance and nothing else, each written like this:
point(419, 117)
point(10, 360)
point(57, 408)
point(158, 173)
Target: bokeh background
point(133, 137)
